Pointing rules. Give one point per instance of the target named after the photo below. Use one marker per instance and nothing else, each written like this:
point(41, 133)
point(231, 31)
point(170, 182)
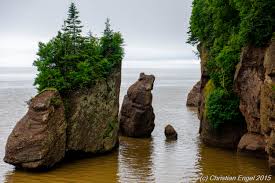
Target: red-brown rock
point(249, 78)
point(39, 138)
point(137, 115)
point(252, 142)
point(194, 96)
point(170, 133)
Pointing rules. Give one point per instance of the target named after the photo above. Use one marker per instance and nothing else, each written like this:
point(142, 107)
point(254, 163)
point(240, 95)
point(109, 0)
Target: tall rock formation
point(137, 115)
point(228, 134)
point(85, 120)
point(254, 83)
point(92, 116)
point(39, 138)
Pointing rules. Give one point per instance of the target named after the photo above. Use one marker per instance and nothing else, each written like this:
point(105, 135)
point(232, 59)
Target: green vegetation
point(224, 27)
point(56, 101)
point(222, 106)
point(109, 131)
point(71, 61)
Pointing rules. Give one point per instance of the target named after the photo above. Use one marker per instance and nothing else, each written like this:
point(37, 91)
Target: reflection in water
point(101, 169)
point(220, 162)
point(135, 161)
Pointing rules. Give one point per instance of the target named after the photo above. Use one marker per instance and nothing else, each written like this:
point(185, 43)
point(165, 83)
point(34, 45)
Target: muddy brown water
point(135, 160)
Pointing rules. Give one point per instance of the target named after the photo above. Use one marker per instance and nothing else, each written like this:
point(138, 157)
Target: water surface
point(136, 160)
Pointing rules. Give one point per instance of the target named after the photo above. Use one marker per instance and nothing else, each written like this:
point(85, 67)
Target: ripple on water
point(136, 160)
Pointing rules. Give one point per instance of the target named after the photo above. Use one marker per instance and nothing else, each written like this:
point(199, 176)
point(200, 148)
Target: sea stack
point(137, 114)
point(48, 132)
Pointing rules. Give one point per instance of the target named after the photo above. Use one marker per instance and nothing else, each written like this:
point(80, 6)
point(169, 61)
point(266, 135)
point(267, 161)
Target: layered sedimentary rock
point(228, 134)
point(194, 96)
point(92, 116)
point(254, 83)
point(137, 115)
point(170, 133)
point(249, 78)
point(267, 109)
point(39, 138)
point(84, 120)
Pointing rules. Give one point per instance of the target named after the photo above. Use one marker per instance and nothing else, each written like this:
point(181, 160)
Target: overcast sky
point(152, 29)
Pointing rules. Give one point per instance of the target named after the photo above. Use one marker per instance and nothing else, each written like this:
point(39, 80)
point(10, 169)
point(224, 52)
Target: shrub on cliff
point(221, 107)
point(224, 27)
point(72, 61)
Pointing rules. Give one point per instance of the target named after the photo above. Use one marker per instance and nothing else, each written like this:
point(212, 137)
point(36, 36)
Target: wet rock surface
point(170, 133)
point(48, 132)
point(252, 142)
point(194, 96)
point(137, 115)
point(39, 138)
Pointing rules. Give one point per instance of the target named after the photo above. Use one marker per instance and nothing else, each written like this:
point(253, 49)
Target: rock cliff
point(254, 83)
point(83, 120)
point(228, 134)
point(137, 115)
point(92, 116)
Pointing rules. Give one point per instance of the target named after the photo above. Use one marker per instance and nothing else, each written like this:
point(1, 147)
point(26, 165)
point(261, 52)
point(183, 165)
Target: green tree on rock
point(72, 26)
point(111, 43)
point(71, 61)
point(106, 40)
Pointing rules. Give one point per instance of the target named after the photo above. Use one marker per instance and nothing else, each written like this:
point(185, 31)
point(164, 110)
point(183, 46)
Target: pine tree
point(72, 25)
point(106, 40)
point(108, 31)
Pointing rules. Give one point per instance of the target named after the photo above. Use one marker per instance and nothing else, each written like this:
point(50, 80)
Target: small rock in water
point(170, 133)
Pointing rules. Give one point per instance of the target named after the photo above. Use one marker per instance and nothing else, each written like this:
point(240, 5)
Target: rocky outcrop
point(39, 138)
point(255, 84)
point(194, 96)
point(267, 109)
point(249, 78)
point(252, 143)
point(228, 134)
point(92, 116)
point(79, 121)
point(170, 133)
point(137, 115)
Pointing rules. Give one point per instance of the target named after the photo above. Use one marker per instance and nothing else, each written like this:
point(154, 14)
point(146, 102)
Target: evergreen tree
point(108, 31)
point(106, 40)
point(72, 26)
point(72, 61)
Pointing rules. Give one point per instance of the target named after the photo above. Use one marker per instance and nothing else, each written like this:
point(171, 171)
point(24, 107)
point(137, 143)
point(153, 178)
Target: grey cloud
point(150, 26)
